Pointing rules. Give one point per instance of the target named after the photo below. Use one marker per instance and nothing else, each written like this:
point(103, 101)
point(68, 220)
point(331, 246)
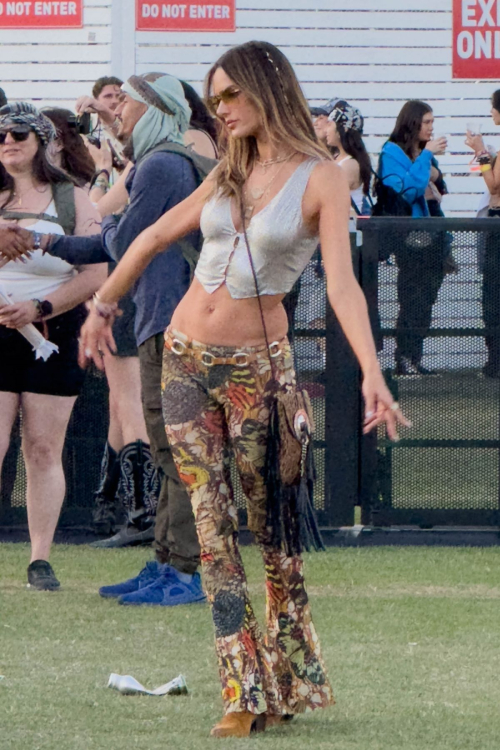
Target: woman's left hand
point(18, 315)
point(381, 407)
point(96, 338)
point(475, 142)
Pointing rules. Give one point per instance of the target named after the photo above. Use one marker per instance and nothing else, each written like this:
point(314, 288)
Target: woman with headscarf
point(344, 131)
point(154, 116)
point(49, 293)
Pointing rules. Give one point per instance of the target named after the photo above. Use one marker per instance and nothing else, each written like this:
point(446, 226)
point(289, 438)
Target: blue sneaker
point(151, 571)
point(167, 591)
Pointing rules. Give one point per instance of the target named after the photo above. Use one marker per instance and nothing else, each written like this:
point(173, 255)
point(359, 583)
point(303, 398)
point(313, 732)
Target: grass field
point(410, 637)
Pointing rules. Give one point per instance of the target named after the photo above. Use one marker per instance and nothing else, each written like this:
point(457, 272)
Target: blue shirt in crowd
point(407, 177)
point(157, 184)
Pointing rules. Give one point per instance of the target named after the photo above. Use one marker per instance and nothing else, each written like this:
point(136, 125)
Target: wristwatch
point(43, 307)
point(37, 240)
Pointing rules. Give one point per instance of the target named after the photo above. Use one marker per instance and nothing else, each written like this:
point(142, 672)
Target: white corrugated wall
point(375, 53)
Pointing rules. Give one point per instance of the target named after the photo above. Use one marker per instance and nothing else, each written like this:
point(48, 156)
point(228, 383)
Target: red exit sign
point(476, 39)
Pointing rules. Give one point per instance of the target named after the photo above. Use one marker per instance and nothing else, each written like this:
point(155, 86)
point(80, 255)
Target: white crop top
point(41, 274)
point(357, 194)
point(280, 244)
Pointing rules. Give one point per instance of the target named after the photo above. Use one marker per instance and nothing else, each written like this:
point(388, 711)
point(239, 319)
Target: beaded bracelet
point(101, 184)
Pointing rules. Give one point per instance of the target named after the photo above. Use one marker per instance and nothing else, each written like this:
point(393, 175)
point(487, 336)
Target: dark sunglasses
point(18, 134)
point(227, 96)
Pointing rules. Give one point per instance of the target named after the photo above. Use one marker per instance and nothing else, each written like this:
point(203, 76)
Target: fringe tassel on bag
point(290, 506)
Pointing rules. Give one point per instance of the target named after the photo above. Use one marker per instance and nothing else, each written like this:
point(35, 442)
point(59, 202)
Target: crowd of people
point(184, 224)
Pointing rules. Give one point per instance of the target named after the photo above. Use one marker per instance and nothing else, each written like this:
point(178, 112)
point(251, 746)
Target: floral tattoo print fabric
point(211, 412)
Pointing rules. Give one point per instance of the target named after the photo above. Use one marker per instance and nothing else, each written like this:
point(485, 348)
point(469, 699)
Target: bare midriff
point(220, 320)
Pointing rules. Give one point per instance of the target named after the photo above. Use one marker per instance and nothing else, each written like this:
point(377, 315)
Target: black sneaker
point(425, 370)
point(405, 368)
point(41, 576)
point(129, 536)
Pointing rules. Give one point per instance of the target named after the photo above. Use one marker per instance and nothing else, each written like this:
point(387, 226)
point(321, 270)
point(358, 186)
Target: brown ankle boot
point(239, 724)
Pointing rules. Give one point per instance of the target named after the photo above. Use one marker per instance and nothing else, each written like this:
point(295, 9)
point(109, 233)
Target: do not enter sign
point(34, 14)
point(202, 15)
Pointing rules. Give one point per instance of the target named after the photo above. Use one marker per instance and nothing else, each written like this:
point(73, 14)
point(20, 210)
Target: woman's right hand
point(437, 146)
point(96, 337)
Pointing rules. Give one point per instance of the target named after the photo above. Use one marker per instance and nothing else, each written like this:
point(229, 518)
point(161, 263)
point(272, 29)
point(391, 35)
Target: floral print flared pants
point(210, 410)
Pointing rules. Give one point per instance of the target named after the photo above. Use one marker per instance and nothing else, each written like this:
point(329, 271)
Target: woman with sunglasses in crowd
point(490, 171)
point(48, 293)
point(275, 194)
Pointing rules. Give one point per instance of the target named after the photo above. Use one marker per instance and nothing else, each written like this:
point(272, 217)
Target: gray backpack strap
point(64, 198)
point(19, 215)
point(202, 166)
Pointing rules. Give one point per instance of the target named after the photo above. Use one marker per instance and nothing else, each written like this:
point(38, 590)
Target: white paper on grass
point(43, 348)
point(128, 685)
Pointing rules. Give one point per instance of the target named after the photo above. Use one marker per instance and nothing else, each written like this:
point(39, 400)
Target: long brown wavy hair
point(267, 79)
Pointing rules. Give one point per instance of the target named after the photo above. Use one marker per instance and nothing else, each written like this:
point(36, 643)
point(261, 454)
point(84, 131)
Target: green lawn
point(410, 636)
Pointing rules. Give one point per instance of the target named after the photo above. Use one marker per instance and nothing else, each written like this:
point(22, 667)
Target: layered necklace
point(254, 195)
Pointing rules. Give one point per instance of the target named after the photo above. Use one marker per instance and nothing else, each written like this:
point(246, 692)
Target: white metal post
point(123, 38)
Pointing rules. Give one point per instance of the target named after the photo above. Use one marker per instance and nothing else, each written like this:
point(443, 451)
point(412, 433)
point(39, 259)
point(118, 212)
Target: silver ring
point(394, 406)
point(88, 352)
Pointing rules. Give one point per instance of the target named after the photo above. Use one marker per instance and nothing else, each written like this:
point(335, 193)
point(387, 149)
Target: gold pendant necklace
point(257, 194)
point(269, 162)
point(20, 197)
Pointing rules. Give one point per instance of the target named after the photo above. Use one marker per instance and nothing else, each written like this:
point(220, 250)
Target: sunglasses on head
point(227, 96)
point(18, 134)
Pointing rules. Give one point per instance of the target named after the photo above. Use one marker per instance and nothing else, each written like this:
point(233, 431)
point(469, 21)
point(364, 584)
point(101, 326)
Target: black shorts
point(123, 329)
point(60, 375)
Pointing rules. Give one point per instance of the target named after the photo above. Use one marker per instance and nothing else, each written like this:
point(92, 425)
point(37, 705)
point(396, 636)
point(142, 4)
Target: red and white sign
point(36, 14)
point(476, 39)
point(202, 15)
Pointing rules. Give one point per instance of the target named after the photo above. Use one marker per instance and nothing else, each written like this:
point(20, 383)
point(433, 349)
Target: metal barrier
point(446, 469)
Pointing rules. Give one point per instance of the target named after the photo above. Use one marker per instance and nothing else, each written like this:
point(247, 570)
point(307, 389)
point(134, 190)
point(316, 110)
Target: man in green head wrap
point(154, 109)
point(153, 115)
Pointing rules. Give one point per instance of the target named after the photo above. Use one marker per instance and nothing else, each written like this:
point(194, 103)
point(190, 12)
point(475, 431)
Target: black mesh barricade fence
point(307, 311)
point(438, 306)
point(433, 291)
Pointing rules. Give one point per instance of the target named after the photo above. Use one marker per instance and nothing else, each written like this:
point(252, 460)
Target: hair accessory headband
point(348, 116)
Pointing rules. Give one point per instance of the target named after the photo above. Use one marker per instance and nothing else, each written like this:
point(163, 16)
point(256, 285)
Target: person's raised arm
point(329, 191)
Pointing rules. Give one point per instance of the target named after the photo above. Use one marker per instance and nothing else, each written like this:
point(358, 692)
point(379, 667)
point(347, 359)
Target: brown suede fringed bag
point(289, 469)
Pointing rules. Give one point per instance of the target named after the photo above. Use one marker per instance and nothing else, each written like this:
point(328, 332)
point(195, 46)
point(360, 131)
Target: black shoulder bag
point(289, 469)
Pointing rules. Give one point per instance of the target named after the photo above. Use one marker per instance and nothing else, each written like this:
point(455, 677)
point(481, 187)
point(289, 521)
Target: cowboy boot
point(105, 504)
point(138, 490)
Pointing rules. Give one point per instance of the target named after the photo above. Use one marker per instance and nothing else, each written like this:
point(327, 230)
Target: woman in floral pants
point(276, 187)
